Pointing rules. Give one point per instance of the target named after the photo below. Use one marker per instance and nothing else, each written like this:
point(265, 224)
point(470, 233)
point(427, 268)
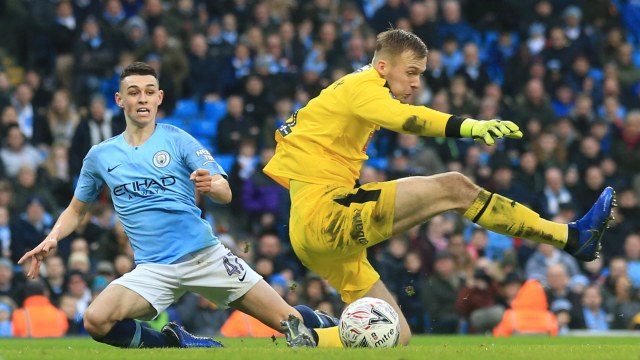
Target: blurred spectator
point(388, 15)
point(626, 147)
point(562, 308)
point(436, 77)
point(258, 102)
point(409, 292)
point(55, 173)
point(534, 103)
point(27, 187)
point(8, 286)
point(173, 61)
point(461, 98)
point(235, 127)
point(30, 228)
point(100, 124)
point(591, 315)
point(452, 23)
point(77, 286)
point(546, 258)
point(68, 304)
point(64, 33)
point(202, 82)
point(16, 153)
point(452, 57)
point(625, 305)
point(135, 34)
point(269, 246)
point(423, 16)
point(38, 317)
point(628, 73)
point(5, 233)
point(476, 302)
point(6, 311)
point(27, 112)
point(632, 255)
point(391, 262)
point(554, 193)
point(473, 70)
point(439, 295)
point(95, 54)
point(123, 264)
point(261, 194)
point(55, 278)
point(528, 314)
point(62, 119)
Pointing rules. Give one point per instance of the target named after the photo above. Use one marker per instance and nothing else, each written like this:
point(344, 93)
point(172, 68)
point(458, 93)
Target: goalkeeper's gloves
point(487, 131)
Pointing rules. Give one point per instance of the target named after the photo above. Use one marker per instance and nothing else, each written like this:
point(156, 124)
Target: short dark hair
point(397, 41)
point(138, 68)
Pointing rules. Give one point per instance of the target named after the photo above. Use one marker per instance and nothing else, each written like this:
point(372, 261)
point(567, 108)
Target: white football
point(369, 322)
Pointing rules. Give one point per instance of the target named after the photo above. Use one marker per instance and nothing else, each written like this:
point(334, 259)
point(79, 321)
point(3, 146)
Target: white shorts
point(215, 273)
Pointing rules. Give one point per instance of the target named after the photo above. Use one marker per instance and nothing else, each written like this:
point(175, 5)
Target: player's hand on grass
point(202, 179)
point(38, 254)
point(487, 131)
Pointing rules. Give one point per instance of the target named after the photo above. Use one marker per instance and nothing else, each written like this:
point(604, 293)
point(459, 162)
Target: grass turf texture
point(422, 347)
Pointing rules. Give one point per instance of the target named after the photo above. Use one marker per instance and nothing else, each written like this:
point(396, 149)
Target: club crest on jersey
point(161, 159)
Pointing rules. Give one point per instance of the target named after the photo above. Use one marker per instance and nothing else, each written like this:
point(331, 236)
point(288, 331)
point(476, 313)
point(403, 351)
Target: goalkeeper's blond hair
point(395, 42)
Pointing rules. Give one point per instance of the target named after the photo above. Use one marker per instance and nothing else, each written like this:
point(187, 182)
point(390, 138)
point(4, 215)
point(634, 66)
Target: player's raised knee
point(96, 324)
point(458, 184)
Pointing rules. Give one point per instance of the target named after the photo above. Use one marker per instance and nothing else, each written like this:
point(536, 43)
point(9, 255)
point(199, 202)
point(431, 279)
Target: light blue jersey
point(151, 191)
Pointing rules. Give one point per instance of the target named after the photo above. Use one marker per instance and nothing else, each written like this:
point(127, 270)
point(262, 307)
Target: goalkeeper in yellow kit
point(322, 147)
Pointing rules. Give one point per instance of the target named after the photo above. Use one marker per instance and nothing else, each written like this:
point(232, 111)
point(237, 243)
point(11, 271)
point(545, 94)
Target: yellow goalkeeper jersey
point(326, 141)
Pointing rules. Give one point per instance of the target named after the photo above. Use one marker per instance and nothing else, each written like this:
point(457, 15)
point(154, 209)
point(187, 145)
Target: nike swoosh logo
point(242, 277)
point(110, 169)
point(595, 235)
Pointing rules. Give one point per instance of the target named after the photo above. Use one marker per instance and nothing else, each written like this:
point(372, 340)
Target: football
point(369, 322)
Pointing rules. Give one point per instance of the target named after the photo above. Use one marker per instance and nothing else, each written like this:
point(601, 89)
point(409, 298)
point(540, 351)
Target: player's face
point(140, 97)
point(403, 75)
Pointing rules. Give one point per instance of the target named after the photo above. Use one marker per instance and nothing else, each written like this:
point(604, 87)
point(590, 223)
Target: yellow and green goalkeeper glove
point(487, 131)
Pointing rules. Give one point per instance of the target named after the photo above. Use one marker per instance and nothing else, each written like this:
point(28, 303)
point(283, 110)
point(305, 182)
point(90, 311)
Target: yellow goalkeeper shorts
point(331, 227)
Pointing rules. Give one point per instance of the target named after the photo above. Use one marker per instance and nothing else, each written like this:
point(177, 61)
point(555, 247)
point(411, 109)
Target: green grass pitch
point(422, 347)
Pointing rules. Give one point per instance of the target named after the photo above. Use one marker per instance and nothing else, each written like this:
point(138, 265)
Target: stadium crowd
point(566, 71)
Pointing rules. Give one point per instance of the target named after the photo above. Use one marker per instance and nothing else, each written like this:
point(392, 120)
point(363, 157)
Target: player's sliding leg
point(321, 325)
point(109, 320)
point(581, 239)
point(420, 198)
point(129, 333)
point(316, 319)
point(265, 304)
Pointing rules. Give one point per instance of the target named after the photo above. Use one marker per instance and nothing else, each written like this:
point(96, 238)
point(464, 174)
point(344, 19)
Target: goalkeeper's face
point(403, 75)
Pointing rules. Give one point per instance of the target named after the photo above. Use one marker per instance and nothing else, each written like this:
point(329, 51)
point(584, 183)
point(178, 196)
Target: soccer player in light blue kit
point(151, 170)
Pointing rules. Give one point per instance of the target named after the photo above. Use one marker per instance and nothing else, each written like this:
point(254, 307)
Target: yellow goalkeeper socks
point(328, 337)
point(499, 214)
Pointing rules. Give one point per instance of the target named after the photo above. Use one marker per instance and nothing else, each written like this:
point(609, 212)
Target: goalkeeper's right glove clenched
point(487, 131)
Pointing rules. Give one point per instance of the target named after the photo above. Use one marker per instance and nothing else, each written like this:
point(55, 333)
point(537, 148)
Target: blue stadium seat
point(226, 161)
point(175, 121)
point(215, 109)
point(207, 143)
point(203, 127)
point(379, 163)
point(186, 108)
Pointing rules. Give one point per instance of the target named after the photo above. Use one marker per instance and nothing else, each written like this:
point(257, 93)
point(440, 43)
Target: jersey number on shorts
point(232, 264)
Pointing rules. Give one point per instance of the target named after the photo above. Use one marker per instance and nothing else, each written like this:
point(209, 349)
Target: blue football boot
point(179, 337)
point(592, 226)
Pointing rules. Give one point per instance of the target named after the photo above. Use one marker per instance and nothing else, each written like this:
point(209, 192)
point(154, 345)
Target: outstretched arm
point(66, 224)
